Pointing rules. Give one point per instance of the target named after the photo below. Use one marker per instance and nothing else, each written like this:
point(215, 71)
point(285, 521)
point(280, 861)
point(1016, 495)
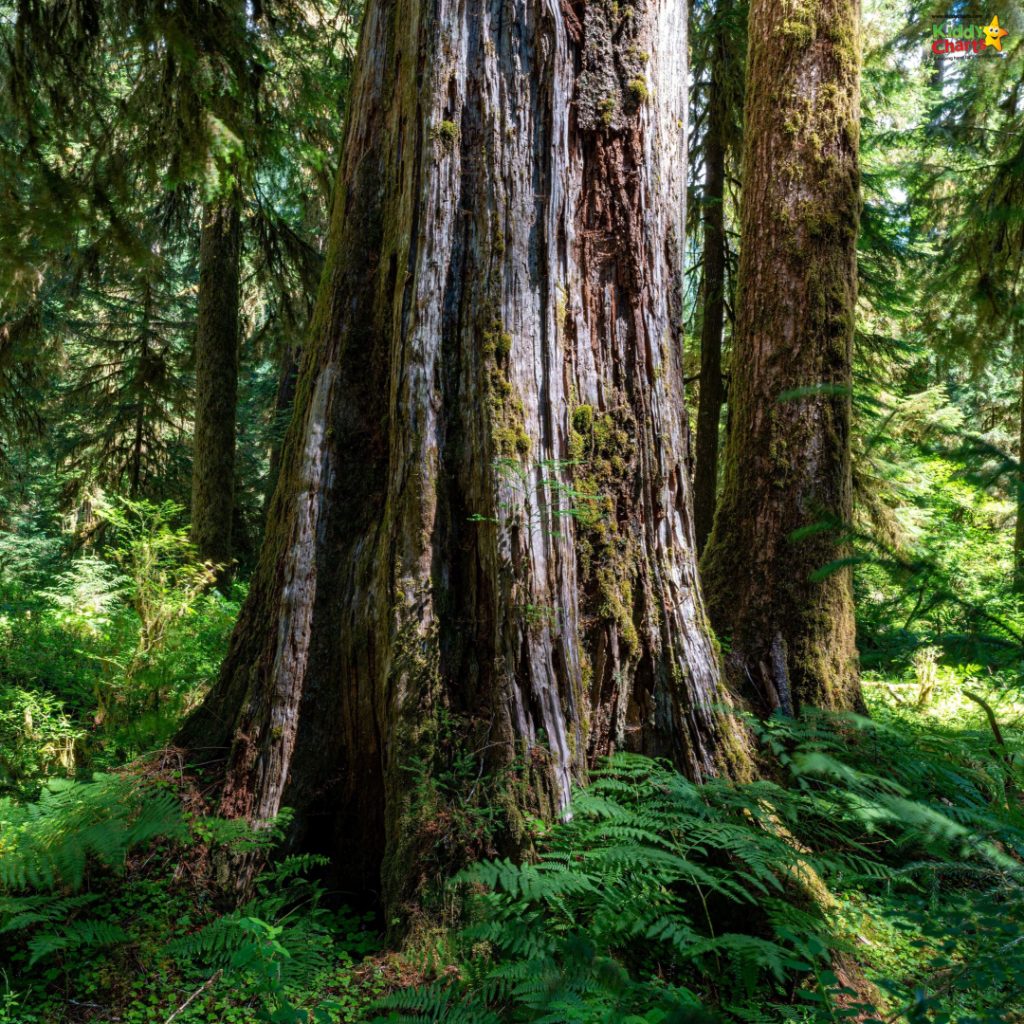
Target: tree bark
point(479, 566)
point(284, 402)
point(712, 392)
point(1018, 535)
point(788, 451)
point(213, 459)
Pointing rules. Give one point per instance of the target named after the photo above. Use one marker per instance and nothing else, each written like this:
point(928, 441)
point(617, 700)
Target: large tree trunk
point(213, 459)
point(712, 392)
point(788, 451)
point(479, 566)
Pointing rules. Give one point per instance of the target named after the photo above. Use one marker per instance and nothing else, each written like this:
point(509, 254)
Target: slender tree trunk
point(1018, 536)
point(284, 402)
point(213, 459)
point(135, 477)
point(712, 391)
point(497, 335)
point(787, 491)
point(141, 391)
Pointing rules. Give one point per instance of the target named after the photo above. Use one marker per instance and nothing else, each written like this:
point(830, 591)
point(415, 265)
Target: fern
point(50, 842)
point(78, 832)
point(74, 934)
point(656, 889)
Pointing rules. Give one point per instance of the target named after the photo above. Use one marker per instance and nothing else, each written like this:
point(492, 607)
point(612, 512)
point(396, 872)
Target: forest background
point(167, 175)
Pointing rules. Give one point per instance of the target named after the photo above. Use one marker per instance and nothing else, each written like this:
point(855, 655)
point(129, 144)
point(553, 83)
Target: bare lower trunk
point(213, 459)
point(1018, 536)
point(479, 571)
point(786, 492)
point(712, 391)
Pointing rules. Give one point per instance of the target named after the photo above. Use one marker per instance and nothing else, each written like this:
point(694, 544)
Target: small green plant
point(538, 489)
point(446, 134)
point(164, 577)
point(639, 89)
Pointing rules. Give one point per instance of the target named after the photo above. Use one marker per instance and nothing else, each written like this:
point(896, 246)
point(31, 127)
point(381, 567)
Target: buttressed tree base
point(481, 536)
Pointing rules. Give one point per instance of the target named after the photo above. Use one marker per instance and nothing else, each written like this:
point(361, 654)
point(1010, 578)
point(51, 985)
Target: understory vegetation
point(657, 900)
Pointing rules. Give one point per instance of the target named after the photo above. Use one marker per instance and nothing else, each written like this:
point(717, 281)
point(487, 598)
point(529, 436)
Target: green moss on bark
point(602, 451)
point(787, 463)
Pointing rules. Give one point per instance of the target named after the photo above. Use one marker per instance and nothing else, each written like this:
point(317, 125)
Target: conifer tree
point(773, 570)
point(481, 537)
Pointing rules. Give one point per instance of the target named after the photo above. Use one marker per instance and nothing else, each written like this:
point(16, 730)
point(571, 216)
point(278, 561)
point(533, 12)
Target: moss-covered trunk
point(712, 391)
point(479, 567)
point(787, 468)
point(216, 361)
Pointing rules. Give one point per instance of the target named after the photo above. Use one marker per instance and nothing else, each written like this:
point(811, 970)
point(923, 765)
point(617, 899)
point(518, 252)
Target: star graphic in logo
point(994, 34)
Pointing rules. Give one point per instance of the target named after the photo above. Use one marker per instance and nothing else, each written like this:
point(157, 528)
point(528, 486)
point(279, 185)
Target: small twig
point(212, 980)
point(993, 723)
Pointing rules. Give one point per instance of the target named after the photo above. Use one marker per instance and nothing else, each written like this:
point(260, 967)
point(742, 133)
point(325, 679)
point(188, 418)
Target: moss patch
point(446, 134)
point(504, 406)
point(602, 449)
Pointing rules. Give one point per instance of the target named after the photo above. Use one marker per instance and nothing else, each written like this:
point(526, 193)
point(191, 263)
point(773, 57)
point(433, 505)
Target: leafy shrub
point(36, 737)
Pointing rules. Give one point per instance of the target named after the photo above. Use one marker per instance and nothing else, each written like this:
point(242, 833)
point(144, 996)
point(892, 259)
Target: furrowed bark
point(712, 391)
point(788, 453)
point(213, 458)
point(481, 540)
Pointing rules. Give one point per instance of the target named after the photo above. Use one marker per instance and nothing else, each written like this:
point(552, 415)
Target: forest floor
point(659, 901)
point(162, 948)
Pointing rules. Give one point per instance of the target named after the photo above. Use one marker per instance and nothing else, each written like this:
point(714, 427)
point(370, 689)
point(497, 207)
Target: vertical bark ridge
point(503, 265)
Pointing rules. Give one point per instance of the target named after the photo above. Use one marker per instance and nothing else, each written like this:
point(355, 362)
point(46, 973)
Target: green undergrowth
point(873, 874)
point(101, 654)
point(876, 876)
point(108, 913)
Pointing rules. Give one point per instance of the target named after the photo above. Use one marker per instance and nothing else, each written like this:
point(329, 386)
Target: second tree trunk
point(712, 391)
point(213, 459)
point(776, 590)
